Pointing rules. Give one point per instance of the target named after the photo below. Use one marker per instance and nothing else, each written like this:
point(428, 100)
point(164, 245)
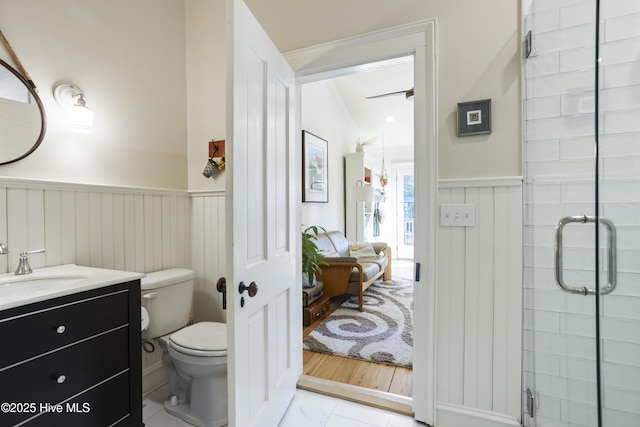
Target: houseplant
point(312, 257)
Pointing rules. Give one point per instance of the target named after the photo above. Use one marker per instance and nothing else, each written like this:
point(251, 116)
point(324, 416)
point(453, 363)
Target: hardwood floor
point(386, 378)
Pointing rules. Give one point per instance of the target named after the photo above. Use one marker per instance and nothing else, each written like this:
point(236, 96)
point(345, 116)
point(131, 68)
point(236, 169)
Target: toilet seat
point(204, 339)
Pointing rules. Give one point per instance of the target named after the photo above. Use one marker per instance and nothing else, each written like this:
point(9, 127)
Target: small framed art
point(474, 118)
point(315, 175)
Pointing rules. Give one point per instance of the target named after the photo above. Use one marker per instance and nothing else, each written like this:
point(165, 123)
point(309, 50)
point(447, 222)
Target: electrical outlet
point(457, 215)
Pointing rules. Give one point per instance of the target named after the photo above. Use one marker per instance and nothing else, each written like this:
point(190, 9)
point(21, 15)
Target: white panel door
point(264, 329)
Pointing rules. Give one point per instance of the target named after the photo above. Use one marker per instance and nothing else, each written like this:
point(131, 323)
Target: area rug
point(382, 333)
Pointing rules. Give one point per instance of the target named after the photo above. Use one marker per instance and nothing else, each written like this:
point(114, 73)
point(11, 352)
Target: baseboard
point(448, 415)
point(378, 399)
point(153, 376)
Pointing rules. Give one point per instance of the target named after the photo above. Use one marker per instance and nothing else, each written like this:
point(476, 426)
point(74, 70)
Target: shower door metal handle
point(612, 258)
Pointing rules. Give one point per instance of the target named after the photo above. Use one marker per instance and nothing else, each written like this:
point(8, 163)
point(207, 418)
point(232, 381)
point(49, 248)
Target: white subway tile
point(612, 9)
point(559, 84)
point(580, 192)
point(539, 108)
point(625, 353)
point(620, 144)
point(578, 324)
point(560, 127)
point(622, 27)
point(622, 399)
point(620, 375)
point(544, 21)
point(578, 148)
point(621, 167)
point(626, 216)
point(577, 60)
point(620, 98)
point(622, 121)
point(542, 65)
point(613, 328)
point(578, 14)
point(580, 369)
point(545, 193)
point(543, 150)
point(620, 419)
point(620, 52)
point(564, 39)
point(548, 407)
point(622, 75)
point(619, 191)
point(581, 414)
point(621, 307)
point(579, 103)
point(582, 391)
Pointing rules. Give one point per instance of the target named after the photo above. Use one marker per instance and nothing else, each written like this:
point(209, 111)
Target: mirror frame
point(43, 115)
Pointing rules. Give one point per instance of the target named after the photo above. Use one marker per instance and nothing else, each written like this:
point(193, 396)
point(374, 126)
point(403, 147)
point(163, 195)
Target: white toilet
point(195, 355)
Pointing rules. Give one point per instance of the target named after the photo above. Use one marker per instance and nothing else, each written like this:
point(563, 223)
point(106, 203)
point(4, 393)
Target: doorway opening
point(383, 128)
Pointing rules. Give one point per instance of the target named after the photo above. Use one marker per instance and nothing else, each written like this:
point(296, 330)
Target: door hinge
point(531, 403)
point(527, 45)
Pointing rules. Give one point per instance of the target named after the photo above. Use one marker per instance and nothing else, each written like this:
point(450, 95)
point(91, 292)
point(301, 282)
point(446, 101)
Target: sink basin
point(51, 282)
point(23, 286)
point(41, 278)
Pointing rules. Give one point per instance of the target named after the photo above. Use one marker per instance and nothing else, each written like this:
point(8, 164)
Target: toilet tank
point(167, 296)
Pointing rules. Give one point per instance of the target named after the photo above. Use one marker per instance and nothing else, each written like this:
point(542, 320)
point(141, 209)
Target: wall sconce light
point(71, 98)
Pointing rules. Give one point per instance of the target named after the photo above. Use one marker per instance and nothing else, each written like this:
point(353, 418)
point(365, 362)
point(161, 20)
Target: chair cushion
point(381, 260)
point(340, 243)
point(324, 243)
point(369, 271)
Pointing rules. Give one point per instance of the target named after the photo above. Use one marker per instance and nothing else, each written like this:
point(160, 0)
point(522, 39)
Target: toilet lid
point(201, 339)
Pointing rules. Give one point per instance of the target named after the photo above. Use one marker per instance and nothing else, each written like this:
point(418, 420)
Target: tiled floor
point(307, 409)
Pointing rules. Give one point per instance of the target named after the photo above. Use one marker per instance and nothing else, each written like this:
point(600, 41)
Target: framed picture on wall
point(315, 176)
point(474, 118)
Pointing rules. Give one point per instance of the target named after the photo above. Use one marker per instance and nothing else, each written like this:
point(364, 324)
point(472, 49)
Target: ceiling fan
point(407, 94)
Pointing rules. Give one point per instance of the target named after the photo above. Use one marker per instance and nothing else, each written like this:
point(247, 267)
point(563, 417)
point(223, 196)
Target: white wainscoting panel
point(479, 302)
point(131, 229)
point(208, 243)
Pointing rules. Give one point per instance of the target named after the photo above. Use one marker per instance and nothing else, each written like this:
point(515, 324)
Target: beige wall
point(128, 58)
point(478, 58)
point(206, 86)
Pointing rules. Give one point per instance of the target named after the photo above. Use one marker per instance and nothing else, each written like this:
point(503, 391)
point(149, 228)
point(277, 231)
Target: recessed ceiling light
point(390, 119)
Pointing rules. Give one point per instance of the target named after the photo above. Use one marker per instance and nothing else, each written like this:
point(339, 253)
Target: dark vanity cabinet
point(73, 360)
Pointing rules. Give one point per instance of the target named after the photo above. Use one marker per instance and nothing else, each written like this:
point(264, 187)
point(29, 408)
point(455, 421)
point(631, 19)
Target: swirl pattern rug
point(382, 333)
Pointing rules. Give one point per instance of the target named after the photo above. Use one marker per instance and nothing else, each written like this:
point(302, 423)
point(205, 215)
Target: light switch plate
point(457, 215)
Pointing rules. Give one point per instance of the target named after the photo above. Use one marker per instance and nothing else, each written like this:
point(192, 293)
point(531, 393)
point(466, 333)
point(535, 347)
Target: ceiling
point(369, 115)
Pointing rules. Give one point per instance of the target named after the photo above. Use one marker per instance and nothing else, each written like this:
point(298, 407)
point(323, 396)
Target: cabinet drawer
point(103, 406)
point(83, 365)
point(27, 335)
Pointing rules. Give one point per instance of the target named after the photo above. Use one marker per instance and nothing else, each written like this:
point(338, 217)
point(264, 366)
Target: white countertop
point(52, 282)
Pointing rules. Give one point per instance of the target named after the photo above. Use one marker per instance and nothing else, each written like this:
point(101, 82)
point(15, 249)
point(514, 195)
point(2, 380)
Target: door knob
point(252, 288)
point(221, 286)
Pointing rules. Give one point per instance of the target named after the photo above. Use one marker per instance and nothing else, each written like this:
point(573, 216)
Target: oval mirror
point(22, 118)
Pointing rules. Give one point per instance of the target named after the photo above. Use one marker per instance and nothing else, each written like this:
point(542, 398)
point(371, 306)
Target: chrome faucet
point(3, 249)
point(23, 265)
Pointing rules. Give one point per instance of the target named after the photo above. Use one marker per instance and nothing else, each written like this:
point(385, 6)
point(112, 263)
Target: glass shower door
point(582, 168)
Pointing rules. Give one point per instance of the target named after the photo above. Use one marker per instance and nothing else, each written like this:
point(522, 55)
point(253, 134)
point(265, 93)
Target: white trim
point(463, 416)
point(345, 56)
point(93, 188)
point(507, 181)
point(207, 193)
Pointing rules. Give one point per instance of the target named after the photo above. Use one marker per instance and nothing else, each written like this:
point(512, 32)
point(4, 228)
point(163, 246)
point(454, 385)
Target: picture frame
point(315, 173)
point(474, 117)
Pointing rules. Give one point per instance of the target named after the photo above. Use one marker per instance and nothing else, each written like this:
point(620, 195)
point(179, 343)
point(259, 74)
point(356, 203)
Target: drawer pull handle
point(60, 329)
point(61, 379)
